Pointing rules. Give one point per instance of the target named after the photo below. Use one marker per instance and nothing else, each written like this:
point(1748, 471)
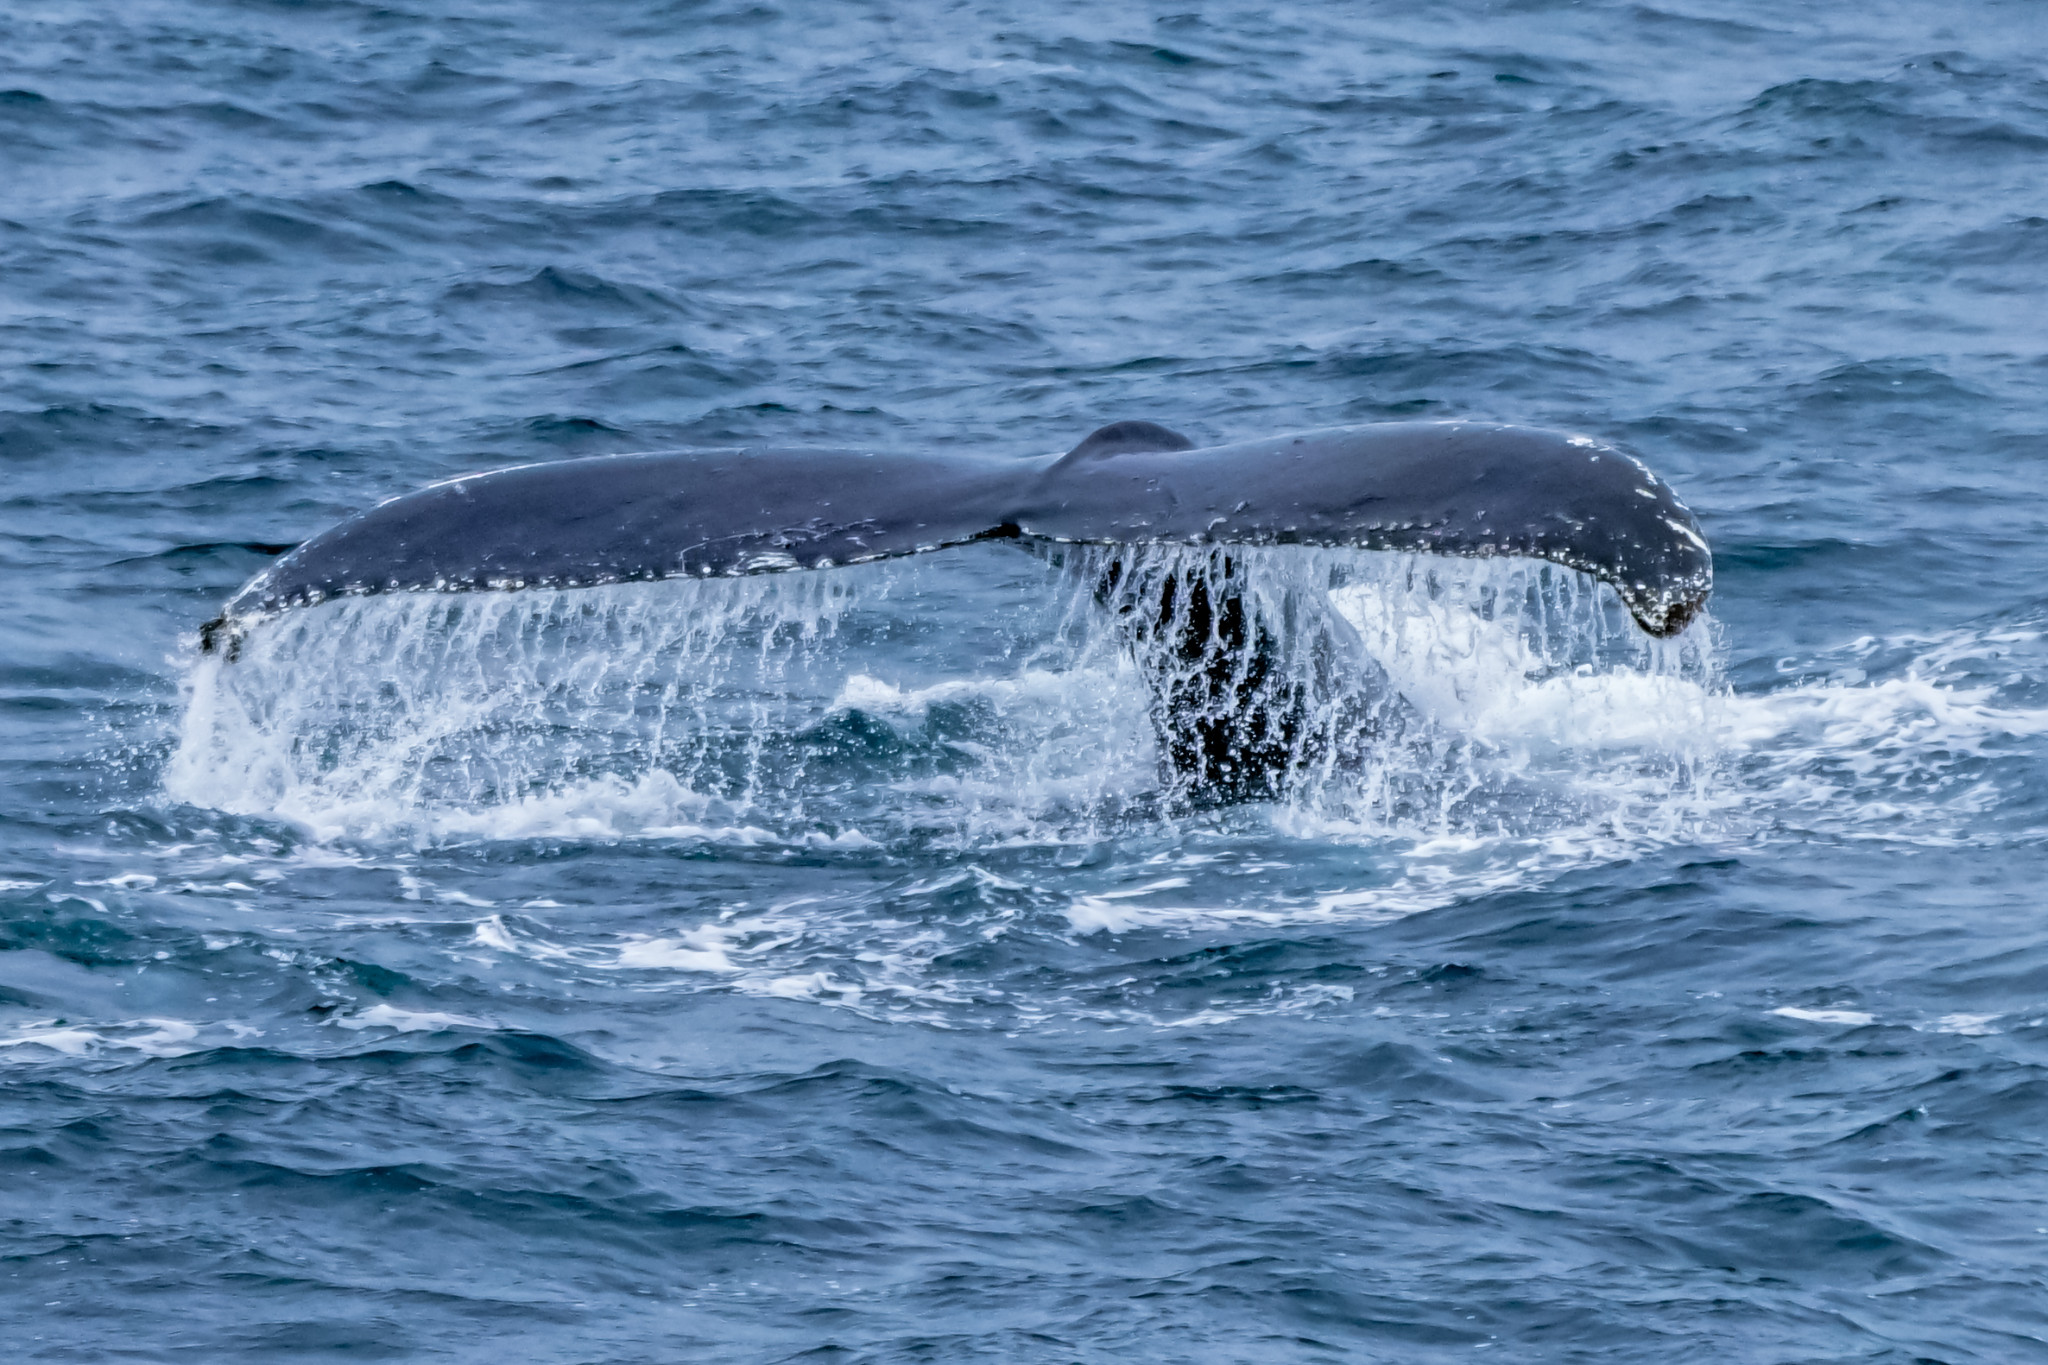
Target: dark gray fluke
point(1453, 488)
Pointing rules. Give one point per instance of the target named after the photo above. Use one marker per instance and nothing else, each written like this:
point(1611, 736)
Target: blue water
point(813, 968)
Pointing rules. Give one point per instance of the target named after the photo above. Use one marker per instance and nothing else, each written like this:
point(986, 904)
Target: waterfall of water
point(972, 694)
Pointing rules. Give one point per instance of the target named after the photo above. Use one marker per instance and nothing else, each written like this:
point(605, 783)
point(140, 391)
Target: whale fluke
point(1453, 488)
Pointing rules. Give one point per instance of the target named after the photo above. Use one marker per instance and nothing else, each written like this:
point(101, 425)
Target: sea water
point(825, 965)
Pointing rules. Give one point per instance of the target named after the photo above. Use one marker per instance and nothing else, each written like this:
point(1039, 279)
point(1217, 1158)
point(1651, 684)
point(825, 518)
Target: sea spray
point(1435, 696)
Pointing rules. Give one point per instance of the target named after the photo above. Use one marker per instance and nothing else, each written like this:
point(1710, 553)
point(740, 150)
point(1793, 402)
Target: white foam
point(406, 1021)
point(72, 1042)
point(1968, 1025)
point(1116, 912)
point(699, 950)
point(491, 933)
point(1846, 1018)
point(811, 986)
point(150, 1037)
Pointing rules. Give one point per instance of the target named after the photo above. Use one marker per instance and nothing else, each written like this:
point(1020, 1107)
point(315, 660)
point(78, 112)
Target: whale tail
point(1228, 719)
point(1234, 700)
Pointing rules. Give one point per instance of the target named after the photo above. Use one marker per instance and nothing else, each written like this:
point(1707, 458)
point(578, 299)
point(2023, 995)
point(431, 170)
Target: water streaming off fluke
point(884, 702)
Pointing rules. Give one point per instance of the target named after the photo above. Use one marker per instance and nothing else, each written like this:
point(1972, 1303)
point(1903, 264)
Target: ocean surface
point(816, 967)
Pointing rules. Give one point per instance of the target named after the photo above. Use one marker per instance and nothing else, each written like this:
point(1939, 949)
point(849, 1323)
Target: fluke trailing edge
point(1453, 488)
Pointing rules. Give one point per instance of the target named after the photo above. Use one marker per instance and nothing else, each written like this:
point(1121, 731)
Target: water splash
point(697, 708)
point(972, 696)
point(1467, 728)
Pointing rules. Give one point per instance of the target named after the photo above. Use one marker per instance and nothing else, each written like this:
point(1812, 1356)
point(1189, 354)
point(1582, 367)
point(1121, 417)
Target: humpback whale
point(1452, 488)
